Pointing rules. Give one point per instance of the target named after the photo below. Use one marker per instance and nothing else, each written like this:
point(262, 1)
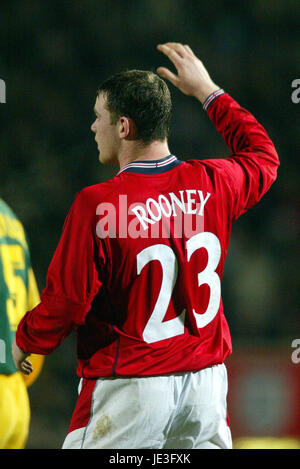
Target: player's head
point(131, 105)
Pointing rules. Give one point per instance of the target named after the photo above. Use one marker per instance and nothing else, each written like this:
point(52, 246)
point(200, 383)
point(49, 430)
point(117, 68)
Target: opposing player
point(19, 293)
point(138, 269)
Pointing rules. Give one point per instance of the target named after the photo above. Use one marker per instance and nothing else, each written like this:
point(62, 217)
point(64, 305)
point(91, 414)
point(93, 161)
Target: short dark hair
point(144, 97)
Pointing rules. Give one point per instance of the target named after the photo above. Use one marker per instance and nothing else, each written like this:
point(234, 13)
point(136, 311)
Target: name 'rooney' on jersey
point(187, 202)
point(118, 221)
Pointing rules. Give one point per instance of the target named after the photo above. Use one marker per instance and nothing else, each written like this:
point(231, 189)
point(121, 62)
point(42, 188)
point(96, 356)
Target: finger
point(27, 367)
point(189, 50)
point(27, 363)
point(170, 53)
point(165, 73)
point(179, 48)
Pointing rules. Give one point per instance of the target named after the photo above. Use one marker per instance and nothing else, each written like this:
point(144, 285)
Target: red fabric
point(82, 411)
point(93, 285)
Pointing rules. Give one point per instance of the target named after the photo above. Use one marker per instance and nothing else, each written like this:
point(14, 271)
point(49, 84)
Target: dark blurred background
point(53, 55)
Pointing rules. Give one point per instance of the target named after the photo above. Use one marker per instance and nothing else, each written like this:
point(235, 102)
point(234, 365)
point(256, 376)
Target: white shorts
point(182, 411)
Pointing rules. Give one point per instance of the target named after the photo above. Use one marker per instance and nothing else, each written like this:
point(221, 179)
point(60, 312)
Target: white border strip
point(149, 164)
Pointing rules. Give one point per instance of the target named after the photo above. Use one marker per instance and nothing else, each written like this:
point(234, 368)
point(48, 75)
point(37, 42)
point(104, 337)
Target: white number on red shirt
point(156, 328)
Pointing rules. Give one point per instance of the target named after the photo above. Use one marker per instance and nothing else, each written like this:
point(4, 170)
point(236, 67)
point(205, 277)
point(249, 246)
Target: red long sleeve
point(252, 168)
point(72, 283)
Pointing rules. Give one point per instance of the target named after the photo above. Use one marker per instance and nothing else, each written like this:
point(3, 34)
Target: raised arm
point(252, 167)
point(72, 283)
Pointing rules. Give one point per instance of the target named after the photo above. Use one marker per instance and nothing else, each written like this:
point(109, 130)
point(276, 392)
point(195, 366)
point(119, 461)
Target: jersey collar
point(151, 167)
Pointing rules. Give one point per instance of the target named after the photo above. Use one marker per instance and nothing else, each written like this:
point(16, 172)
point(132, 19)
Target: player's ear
point(127, 128)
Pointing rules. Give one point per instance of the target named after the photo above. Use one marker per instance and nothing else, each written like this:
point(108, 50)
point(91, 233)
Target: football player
point(19, 293)
point(138, 268)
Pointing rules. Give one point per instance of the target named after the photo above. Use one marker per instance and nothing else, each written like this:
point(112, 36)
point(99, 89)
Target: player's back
point(164, 228)
point(139, 265)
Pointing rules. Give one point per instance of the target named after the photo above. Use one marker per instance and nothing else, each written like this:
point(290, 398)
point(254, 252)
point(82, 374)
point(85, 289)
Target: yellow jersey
point(18, 288)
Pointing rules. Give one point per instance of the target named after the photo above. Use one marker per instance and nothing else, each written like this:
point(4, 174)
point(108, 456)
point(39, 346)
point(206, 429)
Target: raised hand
point(192, 77)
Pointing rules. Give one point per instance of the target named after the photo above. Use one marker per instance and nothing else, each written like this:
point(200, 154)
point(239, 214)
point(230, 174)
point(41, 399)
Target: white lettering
point(296, 93)
point(160, 198)
point(202, 202)
point(2, 92)
point(190, 201)
point(121, 459)
point(180, 203)
point(123, 222)
point(157, 206)
point(106, 226)
point(177, 213)
point(296, 353)
point(140, 213)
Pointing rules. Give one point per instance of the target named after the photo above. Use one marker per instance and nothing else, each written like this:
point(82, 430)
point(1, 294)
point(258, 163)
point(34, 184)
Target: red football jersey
point(138, 268)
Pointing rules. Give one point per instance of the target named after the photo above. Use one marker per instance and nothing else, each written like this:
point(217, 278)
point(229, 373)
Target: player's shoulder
point(213, 167)
point(10, 224)
point(217, 163)
point(99, 192)
point(6, 210)
point(220, 172)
